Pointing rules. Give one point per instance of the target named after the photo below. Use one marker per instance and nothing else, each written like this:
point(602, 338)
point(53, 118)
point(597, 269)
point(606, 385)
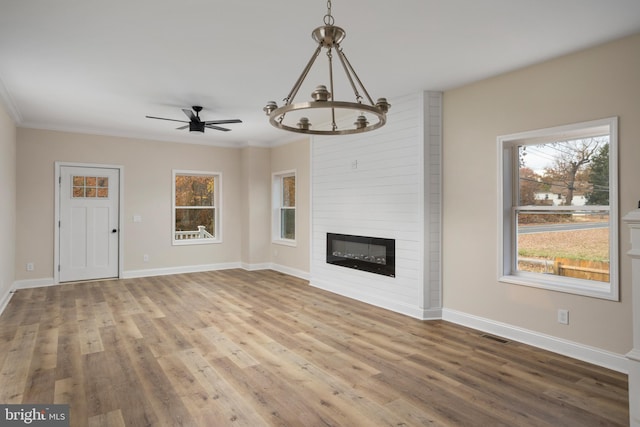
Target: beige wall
point(256, 206)
point(246, 192)
point(295, 156)
point(600, 82)
point(147, 192)
point(7, 203)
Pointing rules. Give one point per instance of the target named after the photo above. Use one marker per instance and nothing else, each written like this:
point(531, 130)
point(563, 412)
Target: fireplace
point(372, 254)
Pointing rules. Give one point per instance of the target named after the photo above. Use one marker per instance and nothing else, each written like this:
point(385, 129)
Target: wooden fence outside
point(581, 269)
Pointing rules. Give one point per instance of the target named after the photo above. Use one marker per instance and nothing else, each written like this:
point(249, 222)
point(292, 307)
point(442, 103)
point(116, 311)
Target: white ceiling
point(101, 66)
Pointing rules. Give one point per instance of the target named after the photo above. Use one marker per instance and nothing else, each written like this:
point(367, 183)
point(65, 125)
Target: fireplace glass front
point(372, 254)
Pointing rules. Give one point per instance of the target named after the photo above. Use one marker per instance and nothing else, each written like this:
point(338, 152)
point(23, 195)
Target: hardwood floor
point(265, 349)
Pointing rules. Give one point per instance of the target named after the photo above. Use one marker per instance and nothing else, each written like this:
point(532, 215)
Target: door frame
point(56, 215)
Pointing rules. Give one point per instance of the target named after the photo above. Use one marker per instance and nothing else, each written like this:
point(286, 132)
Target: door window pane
point(90, 186)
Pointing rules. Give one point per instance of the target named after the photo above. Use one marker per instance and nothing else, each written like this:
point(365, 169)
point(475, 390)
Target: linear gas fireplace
point(372, 254)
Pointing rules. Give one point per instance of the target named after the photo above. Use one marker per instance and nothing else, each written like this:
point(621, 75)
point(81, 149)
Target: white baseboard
point(23, 284)
point(4, 300)
point(49, 281)
point(304, 275)
point(606, 359)
point(431, 314)
point(131, 274)
point(277, 267)
point(34, 283)
point(212, 267)
point(255, 267)
point(396, 306)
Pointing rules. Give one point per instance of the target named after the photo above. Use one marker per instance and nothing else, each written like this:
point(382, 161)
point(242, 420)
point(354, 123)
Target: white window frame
point(508, 200)
point(217, 207)
point(276, 194)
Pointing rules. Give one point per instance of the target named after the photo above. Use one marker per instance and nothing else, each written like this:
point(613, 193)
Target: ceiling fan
point(195, 124)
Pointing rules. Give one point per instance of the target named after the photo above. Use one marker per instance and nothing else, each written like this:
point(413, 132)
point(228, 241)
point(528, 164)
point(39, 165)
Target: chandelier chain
point(328, 18)
point(331, 89)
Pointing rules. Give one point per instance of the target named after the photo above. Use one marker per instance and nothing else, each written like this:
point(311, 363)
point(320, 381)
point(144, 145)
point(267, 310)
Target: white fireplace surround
point(385, 184)
point(633, 221)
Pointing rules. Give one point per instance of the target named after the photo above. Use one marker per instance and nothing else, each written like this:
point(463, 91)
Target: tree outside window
point(195, 213)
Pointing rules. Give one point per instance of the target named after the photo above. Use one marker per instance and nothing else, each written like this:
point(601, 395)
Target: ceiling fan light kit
point(329, 37)
point(195, 124)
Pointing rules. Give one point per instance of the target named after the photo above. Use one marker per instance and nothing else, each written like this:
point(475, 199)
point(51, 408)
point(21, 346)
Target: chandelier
point(329, 37)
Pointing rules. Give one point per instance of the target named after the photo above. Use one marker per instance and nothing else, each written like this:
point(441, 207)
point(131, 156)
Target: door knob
point(114, 230)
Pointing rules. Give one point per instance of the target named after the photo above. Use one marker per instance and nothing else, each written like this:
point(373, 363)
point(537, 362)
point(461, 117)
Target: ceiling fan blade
point(217, 128)
point(183, 127)
point(222, 122)
point(190, 114)
point(162, 118)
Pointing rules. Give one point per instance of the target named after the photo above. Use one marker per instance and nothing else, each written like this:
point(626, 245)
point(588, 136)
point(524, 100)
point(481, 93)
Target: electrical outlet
point(145, 258)
point(30, 266)
point(563, 316)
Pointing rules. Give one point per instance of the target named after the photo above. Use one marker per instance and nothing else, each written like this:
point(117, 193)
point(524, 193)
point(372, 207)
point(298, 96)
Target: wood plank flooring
point(238, 348)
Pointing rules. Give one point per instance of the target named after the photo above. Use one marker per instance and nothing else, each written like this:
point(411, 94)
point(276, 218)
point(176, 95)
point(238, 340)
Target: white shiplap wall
point(384, 184)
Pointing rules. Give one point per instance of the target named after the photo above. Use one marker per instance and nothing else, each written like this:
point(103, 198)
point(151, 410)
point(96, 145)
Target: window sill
point(195, 242)
point(563, 284)
point(284, 242)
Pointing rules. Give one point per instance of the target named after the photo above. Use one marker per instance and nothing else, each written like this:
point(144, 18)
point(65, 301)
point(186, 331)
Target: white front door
point(89, 227)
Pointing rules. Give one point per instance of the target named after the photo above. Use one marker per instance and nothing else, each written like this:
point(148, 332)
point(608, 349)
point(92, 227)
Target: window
point(196, 207)
point(284, 207)
point(90, 186)
point(559, 219)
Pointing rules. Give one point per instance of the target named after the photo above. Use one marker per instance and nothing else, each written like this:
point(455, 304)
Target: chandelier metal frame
point(329, 37)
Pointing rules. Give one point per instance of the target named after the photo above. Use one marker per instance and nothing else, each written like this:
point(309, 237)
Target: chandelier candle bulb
point(361, 122)
point(321, 93)
point(383, 105)
point(304, 123)
point(271, 105)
